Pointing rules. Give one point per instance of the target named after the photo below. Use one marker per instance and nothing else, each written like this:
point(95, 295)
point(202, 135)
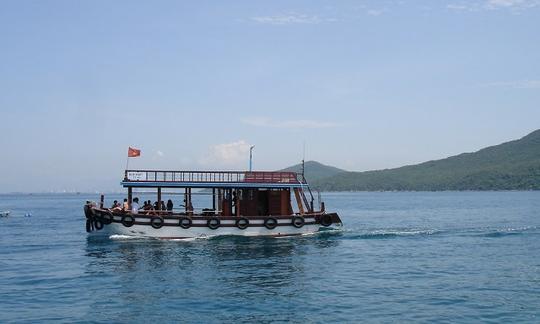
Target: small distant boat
point(5, 213)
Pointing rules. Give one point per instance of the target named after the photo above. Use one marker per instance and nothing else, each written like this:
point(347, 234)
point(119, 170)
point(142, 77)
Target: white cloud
point(291, 18)
point(157, 155)
point(453, 6)
point(299, 123)
point(519, 84)
point(513, 5)
point(507, 3)
point(227, 154)
point(375, 12)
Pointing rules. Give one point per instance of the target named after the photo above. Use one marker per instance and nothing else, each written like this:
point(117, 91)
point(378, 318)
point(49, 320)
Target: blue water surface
point(420, 257)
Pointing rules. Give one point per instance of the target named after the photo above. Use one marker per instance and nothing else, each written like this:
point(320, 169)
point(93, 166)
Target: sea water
point(421, 257)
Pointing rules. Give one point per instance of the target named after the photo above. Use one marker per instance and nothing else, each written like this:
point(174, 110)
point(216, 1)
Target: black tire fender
point(213, 223)
point(185, 222)
point(298, 221)
point(98, 224)
point(242, 223)
point(157, 222)
point(107, 217)
point(270, 223)
point(89, 227)
point(128, 220)
point(325, 220)
point(87, 211)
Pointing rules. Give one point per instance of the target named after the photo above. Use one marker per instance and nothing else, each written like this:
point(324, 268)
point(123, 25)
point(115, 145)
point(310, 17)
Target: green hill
point(513, 165)
point(315, 171)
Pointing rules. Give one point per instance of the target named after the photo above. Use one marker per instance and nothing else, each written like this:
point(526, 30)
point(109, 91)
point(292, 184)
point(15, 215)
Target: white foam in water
point(404, 232)
point(123, 237)
point(188, 239)
point(134, 237)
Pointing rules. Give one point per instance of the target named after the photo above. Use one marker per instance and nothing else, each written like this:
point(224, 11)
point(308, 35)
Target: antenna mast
point(303, 160)
point(251, 157)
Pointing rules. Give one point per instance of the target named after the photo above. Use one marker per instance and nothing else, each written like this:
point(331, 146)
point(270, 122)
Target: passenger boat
point(5, 213)
point(248, 203)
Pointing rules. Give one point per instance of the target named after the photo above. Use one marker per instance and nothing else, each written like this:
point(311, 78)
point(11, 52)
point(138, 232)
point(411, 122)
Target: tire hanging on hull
point(185, 222)
point(128, 220)
point(326, 220)
point(213, 223)
point(107, 218)
point(157, 222)
point(270, 223)
point(98, 224)
point(298, 221)
point(242, 223)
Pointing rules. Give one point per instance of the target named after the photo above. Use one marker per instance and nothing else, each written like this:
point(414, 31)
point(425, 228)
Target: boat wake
point(120, 237)
point(503, 232)
point(382, 233)
point(125, 237)
point(392, 233)
point(389, 233)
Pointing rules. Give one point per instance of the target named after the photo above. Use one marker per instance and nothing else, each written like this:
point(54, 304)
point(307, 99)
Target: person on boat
point(163, 205)
point(125, 206)
point(234, 200)
point(135, 206)
point(116, 205)
point(157, 205)
point(170, 206)
point(148, 207)
point(188, 206)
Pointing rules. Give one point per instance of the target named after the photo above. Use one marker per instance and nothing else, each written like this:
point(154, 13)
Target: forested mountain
point(315, 171)
point(513, 165)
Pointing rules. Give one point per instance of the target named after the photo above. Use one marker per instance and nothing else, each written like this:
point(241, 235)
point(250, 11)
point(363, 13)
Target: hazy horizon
point(366, 85)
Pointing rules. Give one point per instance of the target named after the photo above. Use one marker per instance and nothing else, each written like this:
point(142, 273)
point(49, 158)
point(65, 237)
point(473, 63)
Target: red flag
point(133, 152)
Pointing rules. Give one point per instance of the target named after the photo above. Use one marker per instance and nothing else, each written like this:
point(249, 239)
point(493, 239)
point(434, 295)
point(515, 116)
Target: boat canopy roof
point(212, 179)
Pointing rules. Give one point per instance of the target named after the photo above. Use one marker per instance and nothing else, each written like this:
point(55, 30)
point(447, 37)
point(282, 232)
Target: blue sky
point(366, 84)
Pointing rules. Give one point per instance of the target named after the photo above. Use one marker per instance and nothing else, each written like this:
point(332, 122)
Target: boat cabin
point(232, 193)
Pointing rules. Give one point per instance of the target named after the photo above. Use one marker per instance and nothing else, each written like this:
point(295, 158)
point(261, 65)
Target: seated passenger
point(148, 207)
point(170, 205)
point(116, 206)
point(135, 206)
point(125, 206)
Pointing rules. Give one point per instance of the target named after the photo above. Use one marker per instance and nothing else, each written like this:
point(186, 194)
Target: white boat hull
point(202, 232)
point(180, 226)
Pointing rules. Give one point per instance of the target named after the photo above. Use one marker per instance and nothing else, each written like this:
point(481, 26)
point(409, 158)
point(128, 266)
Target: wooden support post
point(299, 201)
point(186, 203)
point(189, 204)
point(220, 200)
point(285, 201)
point(214, 199)
point(130, 196)
point(159, 197)
point(237, 203)
point(101, 201)
point(229, 198)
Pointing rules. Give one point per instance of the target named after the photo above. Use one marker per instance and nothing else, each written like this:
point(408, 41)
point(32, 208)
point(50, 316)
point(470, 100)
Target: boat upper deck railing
point(266, 177)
